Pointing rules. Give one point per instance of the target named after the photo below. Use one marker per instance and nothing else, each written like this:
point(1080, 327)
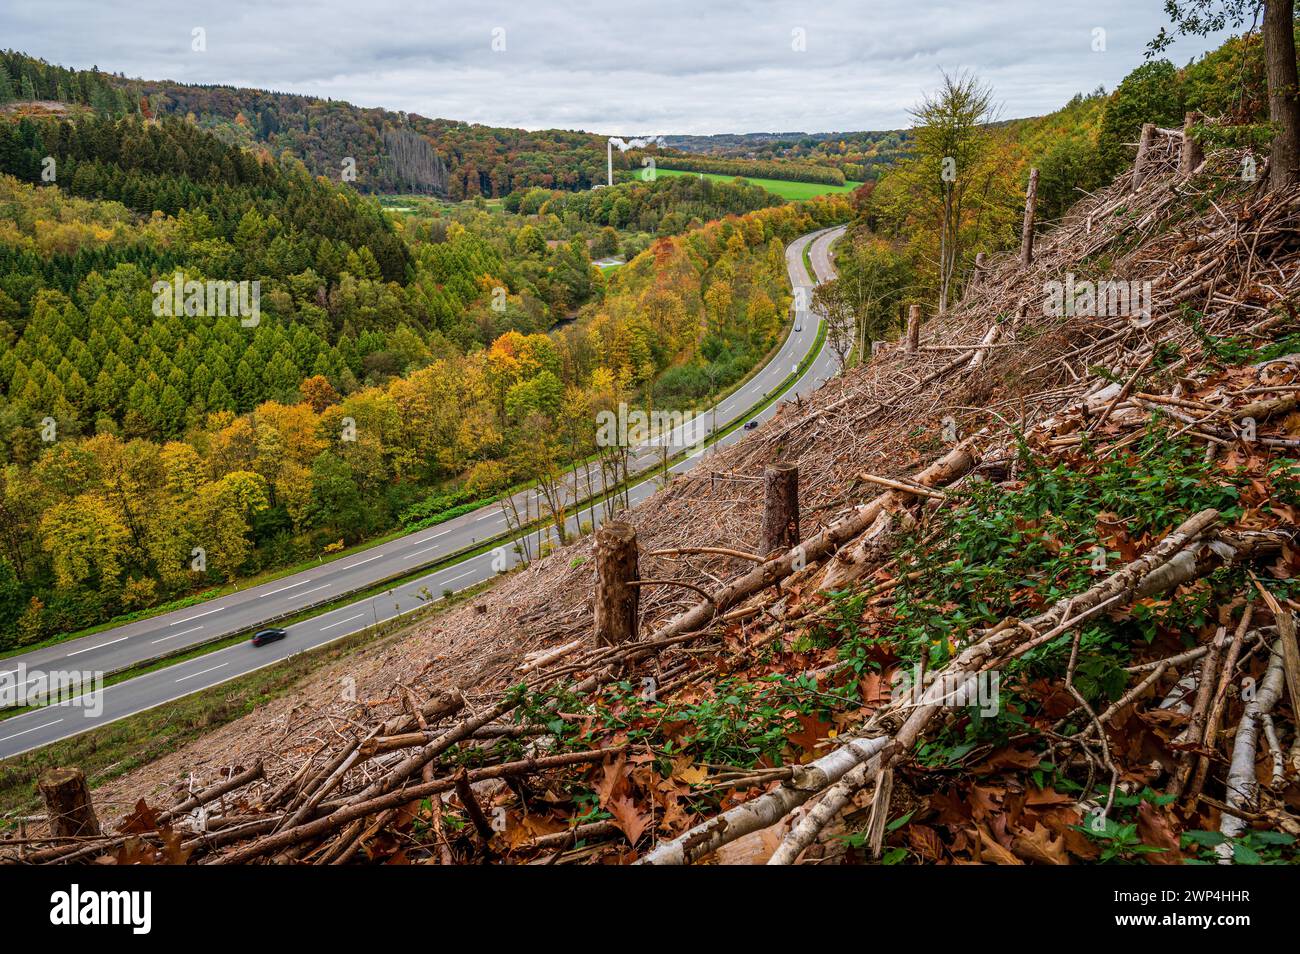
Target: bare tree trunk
point(1192, 155)
point(1144, 144)
point(1027, 229)
point(913, 328)
point(944, 252)
point(67, 801)
point(780, 507)
point(976, 272)
point(617, 601)
point(1283, 96)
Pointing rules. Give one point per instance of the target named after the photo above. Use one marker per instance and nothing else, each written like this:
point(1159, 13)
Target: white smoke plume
point(623, 145)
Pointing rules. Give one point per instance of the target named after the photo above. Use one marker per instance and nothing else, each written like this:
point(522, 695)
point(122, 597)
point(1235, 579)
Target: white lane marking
point(198, 616)
point(443, 534)
point(341, 622)
point(318, 589)
point(460, 576)
point(493, 515)
point(45, 725)
point(366, 560)
point(418, 552)
point(174, 635)
point(283, 588)
point(201, 672)
point(100, 646)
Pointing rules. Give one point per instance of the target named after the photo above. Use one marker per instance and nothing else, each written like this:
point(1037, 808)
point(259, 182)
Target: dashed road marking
point(202, 672)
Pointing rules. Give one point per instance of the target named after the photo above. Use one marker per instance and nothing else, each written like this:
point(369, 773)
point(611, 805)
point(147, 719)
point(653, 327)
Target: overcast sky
point(668, 66)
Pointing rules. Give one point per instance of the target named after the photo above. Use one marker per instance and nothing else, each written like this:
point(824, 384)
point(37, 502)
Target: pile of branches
point(761, 715)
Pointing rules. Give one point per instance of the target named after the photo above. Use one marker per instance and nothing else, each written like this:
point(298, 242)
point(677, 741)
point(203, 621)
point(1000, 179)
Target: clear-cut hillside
point(1100, 509)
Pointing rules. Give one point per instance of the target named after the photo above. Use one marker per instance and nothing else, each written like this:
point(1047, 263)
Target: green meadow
point(782, 187)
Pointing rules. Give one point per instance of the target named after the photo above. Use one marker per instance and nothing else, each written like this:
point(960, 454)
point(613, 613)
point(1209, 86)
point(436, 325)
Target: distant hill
point(385, 151)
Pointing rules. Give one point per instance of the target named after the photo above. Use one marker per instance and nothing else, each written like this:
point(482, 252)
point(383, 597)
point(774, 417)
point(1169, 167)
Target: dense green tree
point(1149, 94)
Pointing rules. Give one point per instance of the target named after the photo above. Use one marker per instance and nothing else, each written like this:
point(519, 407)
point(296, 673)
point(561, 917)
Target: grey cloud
point(674, 66)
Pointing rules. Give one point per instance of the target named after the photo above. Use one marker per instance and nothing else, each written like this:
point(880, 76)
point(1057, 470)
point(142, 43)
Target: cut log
point(913, 328)
point(443, 703)
point(780, 507)
point(67, 803)
point(617, 601)
point(990, 337)
point(875, 538)
point(868, 550)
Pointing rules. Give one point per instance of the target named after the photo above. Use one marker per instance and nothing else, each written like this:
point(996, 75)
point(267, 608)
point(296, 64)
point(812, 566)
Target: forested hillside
point(375, 150)
point(421, 333)
point(659, 206)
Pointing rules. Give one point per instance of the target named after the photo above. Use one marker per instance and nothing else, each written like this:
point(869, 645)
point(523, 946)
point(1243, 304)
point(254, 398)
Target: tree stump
point(1193, 154)
point(780, 507)
point(1027, 228)
point(617, 601)
point(67, 803)
point(913, 329)
point(1144, 146)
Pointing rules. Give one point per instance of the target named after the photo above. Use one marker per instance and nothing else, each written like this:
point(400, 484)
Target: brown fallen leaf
point(925, 842)
point(992, 853)
point(1039, 797)
point(612, 779)
point(628, 818)
point(1037, 846)
point(1155, 829)
point(143, 819)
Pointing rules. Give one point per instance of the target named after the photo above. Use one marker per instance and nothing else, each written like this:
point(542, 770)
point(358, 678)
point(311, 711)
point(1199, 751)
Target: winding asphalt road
point(139, 642)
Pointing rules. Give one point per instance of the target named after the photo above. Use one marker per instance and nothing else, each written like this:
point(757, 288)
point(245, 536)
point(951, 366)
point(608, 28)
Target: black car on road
point(269, 636)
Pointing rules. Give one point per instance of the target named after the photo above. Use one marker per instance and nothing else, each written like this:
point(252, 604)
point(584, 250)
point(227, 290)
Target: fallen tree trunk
point(810, 826)
point(997, 643)
point(767, 809)
point(1242, 786)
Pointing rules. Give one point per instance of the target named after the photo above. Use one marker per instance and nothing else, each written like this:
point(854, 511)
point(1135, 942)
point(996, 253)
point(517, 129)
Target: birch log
point(1242, 787)
point(997, 643)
